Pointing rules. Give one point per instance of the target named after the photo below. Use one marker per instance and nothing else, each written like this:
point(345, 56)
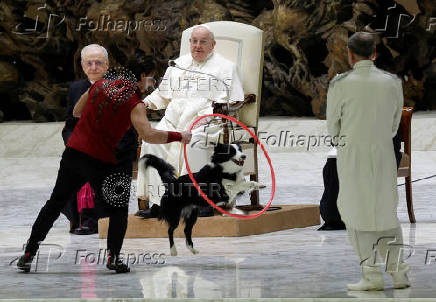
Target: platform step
point(288, 217)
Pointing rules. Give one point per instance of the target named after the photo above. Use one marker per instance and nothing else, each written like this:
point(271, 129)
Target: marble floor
point(297, 263)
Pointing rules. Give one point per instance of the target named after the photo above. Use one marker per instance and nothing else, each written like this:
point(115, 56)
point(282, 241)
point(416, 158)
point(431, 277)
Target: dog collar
point(229, 176)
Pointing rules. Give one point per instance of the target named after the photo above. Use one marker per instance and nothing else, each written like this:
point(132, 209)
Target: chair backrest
point(242, 44)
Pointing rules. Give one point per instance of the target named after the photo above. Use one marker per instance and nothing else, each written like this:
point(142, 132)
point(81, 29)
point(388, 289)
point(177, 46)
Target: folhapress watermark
point(49, 254)
point(430, 257)
point(286, 139)
point(106, 23)
point(391, 253)
point(100, 257)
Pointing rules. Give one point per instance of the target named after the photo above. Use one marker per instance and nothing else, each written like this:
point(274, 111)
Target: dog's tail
point(165, 170)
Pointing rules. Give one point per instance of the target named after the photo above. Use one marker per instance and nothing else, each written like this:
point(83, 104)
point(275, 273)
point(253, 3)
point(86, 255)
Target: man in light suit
point(364, 106)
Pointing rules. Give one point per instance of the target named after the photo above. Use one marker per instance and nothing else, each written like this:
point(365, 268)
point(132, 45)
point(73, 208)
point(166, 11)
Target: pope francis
point(188, 91)
point(364, 105)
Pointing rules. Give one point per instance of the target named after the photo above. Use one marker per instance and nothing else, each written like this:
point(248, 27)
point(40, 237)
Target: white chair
point(242, 44)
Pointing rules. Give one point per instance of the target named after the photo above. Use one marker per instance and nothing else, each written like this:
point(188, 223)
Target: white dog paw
point(191, 248)
point(256, 186)
point(173, 251)
point(231, 204)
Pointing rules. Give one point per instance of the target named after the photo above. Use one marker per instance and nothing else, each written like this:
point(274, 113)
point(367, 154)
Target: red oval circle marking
point(264, 151)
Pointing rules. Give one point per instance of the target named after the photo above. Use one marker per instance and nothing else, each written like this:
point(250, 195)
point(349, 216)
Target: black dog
point(181, 198)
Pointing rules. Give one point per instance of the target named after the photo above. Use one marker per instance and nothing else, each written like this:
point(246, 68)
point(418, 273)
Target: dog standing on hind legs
point(222, 180)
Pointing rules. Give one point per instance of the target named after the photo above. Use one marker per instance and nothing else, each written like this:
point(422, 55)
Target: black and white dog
point(221, 180)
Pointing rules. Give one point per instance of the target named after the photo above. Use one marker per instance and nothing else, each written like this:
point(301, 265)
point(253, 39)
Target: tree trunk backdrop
point(305, 46)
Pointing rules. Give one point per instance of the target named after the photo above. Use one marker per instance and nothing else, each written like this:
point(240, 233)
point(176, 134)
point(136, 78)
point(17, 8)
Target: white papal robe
point(186, 96)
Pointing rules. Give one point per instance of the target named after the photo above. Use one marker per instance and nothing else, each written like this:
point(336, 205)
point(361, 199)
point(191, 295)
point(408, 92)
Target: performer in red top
point(106, 113)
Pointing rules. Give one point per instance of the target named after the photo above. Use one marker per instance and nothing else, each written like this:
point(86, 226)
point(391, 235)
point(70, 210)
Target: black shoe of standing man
point(152, 212)
point(84, 230)
point(88, 227)
point(332, 226)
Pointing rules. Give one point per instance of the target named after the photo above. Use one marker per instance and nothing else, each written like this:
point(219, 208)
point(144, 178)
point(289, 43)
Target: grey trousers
point(379, 248)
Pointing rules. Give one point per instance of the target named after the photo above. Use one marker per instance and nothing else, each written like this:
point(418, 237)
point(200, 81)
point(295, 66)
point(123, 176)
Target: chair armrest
point(222, 107)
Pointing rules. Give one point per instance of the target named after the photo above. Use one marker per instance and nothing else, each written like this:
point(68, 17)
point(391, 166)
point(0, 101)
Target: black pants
point(77, 168)
point(89, 217)
point(327, 207)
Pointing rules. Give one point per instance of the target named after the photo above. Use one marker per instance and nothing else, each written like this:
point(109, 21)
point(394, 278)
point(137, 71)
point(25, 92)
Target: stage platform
point(288, 217)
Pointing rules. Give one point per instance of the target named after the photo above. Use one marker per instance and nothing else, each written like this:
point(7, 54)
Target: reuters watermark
point(187, 189)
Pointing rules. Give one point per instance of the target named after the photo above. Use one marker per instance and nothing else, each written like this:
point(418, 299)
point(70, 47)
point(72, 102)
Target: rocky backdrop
point(305, 46)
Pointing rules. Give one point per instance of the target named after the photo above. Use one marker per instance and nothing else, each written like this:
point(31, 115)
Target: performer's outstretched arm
point(150, 135)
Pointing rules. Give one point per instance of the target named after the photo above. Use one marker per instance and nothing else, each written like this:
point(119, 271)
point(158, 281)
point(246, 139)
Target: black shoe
point(152, 212)
point(144, 214)
point(332, 226)
point(138, 213)
point(73, 227)
point(205, 211)
point(84, 230)
point(115, 264)
point(25, 262)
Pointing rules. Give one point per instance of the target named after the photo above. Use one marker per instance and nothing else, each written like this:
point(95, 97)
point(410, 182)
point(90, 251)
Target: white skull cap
point(205, 26)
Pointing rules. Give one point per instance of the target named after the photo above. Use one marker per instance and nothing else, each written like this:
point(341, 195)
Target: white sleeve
point(236, 90)
point(333, 111)
point(234, 84)
point(161, 96)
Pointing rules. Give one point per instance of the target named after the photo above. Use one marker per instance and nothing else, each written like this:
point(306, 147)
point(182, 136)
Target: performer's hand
point(201, 123)
point(186, 137)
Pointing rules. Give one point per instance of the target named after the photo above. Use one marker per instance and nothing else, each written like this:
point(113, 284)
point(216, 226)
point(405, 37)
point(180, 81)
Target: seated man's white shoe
point(372, 279)
point(400, 277)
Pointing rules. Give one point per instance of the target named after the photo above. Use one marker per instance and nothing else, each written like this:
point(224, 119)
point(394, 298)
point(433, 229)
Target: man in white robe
point(187, 95)
point(364, 106)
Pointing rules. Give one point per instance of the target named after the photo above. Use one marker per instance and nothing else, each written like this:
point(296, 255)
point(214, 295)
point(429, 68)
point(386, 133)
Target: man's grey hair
point(362, 44)
point(212, 36)
point(95, 46)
